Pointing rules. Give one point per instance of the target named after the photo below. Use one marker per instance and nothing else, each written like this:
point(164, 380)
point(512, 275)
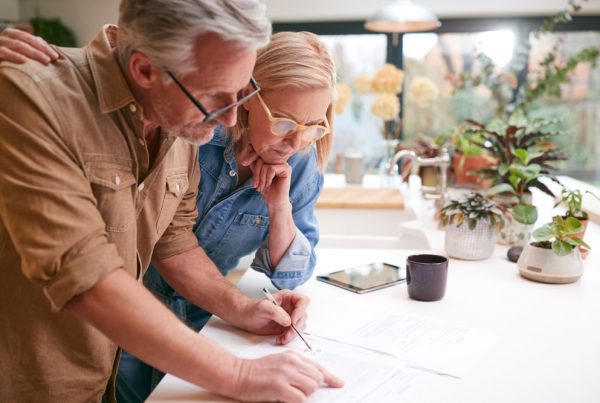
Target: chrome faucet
point(442, 161)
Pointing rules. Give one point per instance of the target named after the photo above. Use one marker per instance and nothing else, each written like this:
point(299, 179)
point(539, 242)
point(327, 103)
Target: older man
point(98, 177)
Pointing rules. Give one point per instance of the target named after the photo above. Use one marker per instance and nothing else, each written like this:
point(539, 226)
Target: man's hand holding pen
point(266, 318)
point(293, 325)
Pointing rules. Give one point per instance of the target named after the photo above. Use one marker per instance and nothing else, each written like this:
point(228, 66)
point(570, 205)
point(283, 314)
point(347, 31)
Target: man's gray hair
point(166, 30)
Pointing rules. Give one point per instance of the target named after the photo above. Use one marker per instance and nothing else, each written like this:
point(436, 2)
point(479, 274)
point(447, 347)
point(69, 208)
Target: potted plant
point(524, 154)
point(471, 223)
point(469, 158)
point(573, 201)
point(522, 147)
point(554, 258)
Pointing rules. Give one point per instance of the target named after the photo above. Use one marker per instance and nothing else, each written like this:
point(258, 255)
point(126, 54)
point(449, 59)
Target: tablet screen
point(368, 277)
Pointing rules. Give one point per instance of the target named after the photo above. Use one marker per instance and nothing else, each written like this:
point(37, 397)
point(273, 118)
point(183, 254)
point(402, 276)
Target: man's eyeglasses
point(210, 116)
point(282, 127)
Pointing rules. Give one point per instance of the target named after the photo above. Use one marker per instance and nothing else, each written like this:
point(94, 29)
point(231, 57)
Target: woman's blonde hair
point(294, 60)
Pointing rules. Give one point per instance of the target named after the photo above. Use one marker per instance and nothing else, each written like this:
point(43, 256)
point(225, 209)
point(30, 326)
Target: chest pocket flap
point(176, 187)
point(112, 188)
point(115, 178)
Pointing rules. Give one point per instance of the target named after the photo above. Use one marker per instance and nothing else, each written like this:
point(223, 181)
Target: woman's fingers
point(257, 167)
point(18, 46)
point(10, 56)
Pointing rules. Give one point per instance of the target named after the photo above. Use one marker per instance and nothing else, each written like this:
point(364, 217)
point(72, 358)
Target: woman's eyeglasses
point(282, 127)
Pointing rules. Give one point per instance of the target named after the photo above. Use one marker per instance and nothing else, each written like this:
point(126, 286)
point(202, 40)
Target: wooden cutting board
point(368, 198)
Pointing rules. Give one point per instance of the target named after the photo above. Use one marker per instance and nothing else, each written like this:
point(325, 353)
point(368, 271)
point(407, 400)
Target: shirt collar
point(111, 86)
point(222, 138)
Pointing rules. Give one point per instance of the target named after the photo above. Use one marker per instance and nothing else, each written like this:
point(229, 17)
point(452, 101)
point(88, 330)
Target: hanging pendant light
point(402, 16)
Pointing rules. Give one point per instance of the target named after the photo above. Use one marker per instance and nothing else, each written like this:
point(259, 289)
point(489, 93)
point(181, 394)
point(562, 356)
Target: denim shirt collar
point(223, 138)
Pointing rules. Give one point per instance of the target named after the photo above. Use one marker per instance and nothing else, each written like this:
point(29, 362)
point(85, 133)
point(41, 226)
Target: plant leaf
point(525, 213)
point(572, 226)
point(561, 248)
point(579, 241)
point(521, 154)
point(502, 188)
point(544, 233)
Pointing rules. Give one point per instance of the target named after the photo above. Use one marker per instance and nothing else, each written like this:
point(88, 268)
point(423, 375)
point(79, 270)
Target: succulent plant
point(472, 208)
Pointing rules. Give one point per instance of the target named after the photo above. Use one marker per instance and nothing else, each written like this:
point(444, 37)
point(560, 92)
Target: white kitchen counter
point(547, 336)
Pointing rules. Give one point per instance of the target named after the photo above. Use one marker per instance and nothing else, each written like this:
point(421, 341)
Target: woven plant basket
point(464, 243)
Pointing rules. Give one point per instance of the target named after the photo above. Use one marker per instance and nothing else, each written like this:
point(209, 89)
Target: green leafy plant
point(558, 235)
point(524, 154)
point(509, 90)
point(466, 143)
point(53, 31)
point(472, 208)
point(425, 147)
point(573, 199)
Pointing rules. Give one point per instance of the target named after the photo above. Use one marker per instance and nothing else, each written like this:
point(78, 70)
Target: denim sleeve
point(291, 270)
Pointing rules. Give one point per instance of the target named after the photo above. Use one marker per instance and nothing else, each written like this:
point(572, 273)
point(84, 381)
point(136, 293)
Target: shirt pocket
point(244, 235)
point(112, 186)
point(176, 186)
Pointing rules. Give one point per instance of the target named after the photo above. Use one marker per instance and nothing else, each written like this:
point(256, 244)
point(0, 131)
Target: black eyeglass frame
point(210, 116)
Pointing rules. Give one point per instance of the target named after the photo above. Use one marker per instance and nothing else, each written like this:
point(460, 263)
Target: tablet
point(365, 278)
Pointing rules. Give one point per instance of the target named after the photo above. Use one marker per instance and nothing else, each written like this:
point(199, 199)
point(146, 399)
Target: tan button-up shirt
point(78, 198)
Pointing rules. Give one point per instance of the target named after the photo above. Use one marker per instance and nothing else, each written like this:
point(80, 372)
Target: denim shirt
point(233, 221)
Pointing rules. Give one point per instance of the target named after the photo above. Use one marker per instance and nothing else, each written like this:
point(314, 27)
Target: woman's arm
point(287, 255)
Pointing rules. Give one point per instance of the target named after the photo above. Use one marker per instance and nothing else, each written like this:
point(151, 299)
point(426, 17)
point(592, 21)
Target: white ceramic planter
point(476, 244)
point(543, 265)
point(515, 233)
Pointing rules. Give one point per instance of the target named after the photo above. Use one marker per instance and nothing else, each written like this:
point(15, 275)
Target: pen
point(270, 298)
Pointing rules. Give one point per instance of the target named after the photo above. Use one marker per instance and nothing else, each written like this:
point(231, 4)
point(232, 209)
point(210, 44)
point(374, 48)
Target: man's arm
point(197, 279)
point(129, 315)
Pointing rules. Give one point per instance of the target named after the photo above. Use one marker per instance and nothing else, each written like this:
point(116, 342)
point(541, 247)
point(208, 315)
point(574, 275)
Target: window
point(440, 57)
point(357, 131)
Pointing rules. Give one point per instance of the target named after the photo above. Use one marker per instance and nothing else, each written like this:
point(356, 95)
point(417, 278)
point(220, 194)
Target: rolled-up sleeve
point(179, 236)
point(292, 268)
point(46, 203)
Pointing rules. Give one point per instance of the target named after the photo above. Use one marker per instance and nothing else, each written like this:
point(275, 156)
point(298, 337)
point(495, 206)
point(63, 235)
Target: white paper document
point(418, 341)
point(365, 373)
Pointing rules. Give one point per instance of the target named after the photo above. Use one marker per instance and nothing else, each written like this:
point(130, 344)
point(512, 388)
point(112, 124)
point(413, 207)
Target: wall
point(9, 10)
point(314, 10)
point(85, 17)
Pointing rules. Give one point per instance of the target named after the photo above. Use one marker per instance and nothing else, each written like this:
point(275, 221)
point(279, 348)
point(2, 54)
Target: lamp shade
point(402, 16)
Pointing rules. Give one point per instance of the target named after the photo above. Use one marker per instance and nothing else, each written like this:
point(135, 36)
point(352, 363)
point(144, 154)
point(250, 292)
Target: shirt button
point(232, 173)
point(257, 220)
point(132, 108)
point(141, 141)
point(141, 187)
point(117, 180)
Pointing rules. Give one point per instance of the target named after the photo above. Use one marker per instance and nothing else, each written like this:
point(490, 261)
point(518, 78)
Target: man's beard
point(197, 134)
